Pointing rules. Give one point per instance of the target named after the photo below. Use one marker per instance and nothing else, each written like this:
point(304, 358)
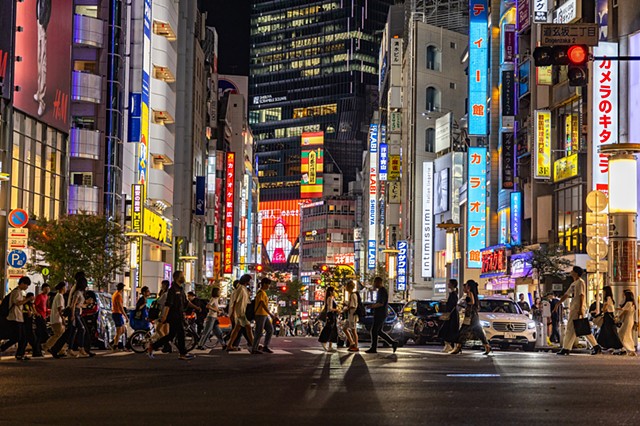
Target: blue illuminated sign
point(373, 138)
point(478, 65)
point(476, 205)
point(516, 218)
point(401, 269)
point(371, 255)
point(384, 161)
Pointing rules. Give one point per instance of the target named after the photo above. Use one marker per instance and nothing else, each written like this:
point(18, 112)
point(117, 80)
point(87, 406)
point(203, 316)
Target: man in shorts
point(351, 325)
point(118, 314)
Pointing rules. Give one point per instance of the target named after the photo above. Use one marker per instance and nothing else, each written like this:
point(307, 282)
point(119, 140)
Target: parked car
point(421, 320)
point(505, 324)
point(392, 325)
point(398, 308)
point(103, 329)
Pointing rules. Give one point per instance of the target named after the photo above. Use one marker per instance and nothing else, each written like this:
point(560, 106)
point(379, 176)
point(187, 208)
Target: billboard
point(508, 161)
point(441, 192)
point(44, 73)
point(443, 132)
point(372, 246)
point(6, 48)
point(516, 218)
point(401, 269)
point(230, 176)
point(606, 109)
point(427, 219)
point(280, 222)
point(143, 145)
point(312, 165)
point(476, 205)
point(543, 145)
point(384, 161)
point(478, 66)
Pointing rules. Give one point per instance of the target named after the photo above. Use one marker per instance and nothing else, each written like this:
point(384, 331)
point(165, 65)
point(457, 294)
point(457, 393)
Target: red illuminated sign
point(230, 174)
point(494, 261)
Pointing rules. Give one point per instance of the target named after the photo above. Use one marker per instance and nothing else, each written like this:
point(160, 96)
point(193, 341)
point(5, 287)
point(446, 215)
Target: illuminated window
point(164, 29)
point(429, 139)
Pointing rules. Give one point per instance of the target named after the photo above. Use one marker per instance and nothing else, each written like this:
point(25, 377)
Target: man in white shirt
point(238, 312)
point(577, 308)
point(57, 319)
point(17, 299)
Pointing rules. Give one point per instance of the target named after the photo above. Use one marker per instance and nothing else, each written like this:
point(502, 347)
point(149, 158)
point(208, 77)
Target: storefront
point(494, 268)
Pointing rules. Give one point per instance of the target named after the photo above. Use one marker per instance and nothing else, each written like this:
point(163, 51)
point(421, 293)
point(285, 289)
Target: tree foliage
point(80, 242)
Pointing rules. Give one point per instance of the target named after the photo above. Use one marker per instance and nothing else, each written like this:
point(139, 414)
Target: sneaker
point(267, 350)
point(394, 345)
point(22, 358)
point(596, 350)
point(371, 351)
point(353, 349)
point(563, 352)
point(186, 357)
point(53, 354)
point(73, 353)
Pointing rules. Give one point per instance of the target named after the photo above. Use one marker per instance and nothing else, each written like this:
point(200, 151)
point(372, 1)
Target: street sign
point(593, 218)
point(15, 273)
point(17, 259)
point(17, 238)
point(597, 201)
point(597, 230)
point(18, 218)
point(45, 272)
point(567, 34)
point(597, 248)
point(597, 266)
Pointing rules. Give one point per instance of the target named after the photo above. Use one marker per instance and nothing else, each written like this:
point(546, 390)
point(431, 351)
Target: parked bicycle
point(139, 340)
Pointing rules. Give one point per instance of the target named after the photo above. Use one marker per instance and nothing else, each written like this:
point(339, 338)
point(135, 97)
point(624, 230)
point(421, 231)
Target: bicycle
point(140, 339)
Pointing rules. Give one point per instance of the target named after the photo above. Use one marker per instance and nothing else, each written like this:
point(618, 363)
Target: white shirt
point(15, 310)
point(213, 307)
point(58, 304)
point(577, 288)
point(240, 300)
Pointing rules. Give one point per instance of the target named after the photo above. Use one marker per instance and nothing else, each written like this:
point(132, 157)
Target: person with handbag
point(329, 333)
point(450, 318)
point(471, 328)
point(577, 324)
point(626, 315)
point(608, 337)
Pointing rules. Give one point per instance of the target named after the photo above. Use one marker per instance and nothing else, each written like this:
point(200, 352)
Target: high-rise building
point(313, 69)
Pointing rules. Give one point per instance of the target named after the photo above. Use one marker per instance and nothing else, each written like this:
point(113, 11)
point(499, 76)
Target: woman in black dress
point(450, 326)
point(608, 337)
point(329, 333)
point(471, 327)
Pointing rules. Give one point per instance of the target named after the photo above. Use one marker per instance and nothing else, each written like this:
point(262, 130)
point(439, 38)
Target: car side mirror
point(413, 312)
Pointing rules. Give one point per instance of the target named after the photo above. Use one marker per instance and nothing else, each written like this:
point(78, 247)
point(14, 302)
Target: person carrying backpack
point(353, 314)
point(15, 318)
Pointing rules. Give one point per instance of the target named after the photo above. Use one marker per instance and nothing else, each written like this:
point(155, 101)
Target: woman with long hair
point(76, 325)
point(329, 333)
point(471, 327)
point(608, 337)
point(211, 322)
point(451, 325)
point(626, 314)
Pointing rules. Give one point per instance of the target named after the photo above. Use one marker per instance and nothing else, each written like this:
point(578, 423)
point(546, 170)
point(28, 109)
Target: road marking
point(473, 375)
point(122, 353)
point(315, 351)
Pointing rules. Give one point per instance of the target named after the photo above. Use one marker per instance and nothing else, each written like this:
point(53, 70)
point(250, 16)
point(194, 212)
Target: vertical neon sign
point(476, 205)
point(478, 65)
point(230, 174)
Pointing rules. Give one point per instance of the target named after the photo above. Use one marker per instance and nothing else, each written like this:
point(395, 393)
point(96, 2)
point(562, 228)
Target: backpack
point(4, 306)
point(360, 312)
point(154, 311)
point(250, 313)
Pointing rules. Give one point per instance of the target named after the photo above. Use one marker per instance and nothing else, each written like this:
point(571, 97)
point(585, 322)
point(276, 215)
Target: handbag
point(598, 320)
point(466, 321)
point(445, 316)
point(582, 327)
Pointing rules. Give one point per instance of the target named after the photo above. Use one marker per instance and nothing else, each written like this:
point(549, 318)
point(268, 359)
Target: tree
point(80, 242)
point(547, 261)
point(291, 296)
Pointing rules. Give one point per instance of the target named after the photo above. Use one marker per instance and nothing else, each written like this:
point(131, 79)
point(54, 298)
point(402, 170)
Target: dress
point(473, 330)
point(451, 327)
point(608, 337)
point(329, 332)
point(626, 331)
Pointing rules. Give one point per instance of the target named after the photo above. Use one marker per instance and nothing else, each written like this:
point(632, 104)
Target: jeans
point(376, 331)
point(555, 331)
point(211, 324)
point(263, 323)
point(18, 336)
point(176, 331)
point(76, 331)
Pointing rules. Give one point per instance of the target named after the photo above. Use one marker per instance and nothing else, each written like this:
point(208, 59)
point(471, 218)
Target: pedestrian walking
point(240, 300)
point(626, 315)
point(329, 333)
point(451, 320)
point(471, 328)
point(15, 318)
point(42, 308)
point(380, 309)
point(211, 323)
point(556, 315)
point(577, 308)
point(155, 314)
point(608, 337)
point(30, 314)
point(350, 327)
point(56, 320)
point(76, 331)
point(263, 319)
point(118, 314)
point(235, 294)
point(173, 314)
point(199, 308)
point(524, 305)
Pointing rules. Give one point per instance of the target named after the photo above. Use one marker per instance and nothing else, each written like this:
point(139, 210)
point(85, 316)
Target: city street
point(300, 384)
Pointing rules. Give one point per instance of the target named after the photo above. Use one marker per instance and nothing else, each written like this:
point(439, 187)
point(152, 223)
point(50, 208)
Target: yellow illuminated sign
point(157, 227)
point(565, 167)
point(543, 145)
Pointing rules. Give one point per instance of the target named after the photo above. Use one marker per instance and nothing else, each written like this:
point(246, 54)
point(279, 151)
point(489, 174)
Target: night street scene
point(319, 212)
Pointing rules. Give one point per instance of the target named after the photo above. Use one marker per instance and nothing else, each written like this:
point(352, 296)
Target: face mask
point(181, 280)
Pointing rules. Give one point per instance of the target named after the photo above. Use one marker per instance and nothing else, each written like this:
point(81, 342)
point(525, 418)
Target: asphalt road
point(302, 385)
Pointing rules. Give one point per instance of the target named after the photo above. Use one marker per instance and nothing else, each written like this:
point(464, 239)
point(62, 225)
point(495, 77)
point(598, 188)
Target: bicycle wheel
point(139, 341)
point(190, 340)
point(211, 343)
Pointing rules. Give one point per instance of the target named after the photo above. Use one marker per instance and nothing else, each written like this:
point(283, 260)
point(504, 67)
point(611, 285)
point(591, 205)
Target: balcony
point(160, 186)
point(162, 143)
point(165, 18)
point(162, 98)
point(85, 143)
point(88, 31)
point(84, 199)
point(86, 87)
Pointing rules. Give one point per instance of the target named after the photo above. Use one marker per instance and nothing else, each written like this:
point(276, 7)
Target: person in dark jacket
point(471, 327)
point(451, 326)
point(379, 315)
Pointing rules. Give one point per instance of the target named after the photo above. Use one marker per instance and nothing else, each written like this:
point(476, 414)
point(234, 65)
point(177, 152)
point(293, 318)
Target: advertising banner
point(509, 52)
point(394, 167)
point(508, 161)
point(372, 246)
point(443, 132)
point(441, 192)
point(230, 178)
point(143, 145)
point(605, 87)
point(540, 11)
point(280, 222)
point(158, 227)
point(137, 203)
point(543, 145)
point(401, 269)
point(478, 65)
point(200, 195)
point(7, 30)
point(312, 165)
point(524, 14)
point(476, 205)
point(508, 95)
point(44, 73)
point(516, 218)
point(384, 161)
point(427, 219)
point(565, 167)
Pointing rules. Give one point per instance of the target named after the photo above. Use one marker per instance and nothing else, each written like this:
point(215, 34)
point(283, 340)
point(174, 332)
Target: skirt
point(450, 329)
point(329, 332)
point(608, 337)
point(472, 331)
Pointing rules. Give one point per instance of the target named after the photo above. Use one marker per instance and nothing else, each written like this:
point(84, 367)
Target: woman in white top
point(211, 322)
point(608, 337)
point(350, 326)
point(76, 326)
point(626, 314)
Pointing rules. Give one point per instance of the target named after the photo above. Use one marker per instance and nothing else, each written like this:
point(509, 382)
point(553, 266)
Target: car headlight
point(485, 324)
point(398, 326)
point(531, 325)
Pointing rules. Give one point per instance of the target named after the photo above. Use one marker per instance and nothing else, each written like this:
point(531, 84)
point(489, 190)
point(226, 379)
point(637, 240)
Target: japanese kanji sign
point(563, 34)
point(476, 205)
point(478, 65)
point(230, 174)
point(543, 145)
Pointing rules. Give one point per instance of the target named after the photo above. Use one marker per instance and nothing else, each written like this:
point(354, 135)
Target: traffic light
point(574, 56)
point(324, 269)
point(283, 289)
point(259, 268)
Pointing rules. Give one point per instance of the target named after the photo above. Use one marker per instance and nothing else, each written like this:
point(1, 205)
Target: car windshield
point(428, 307)
point(369, 310)
point(499, 306)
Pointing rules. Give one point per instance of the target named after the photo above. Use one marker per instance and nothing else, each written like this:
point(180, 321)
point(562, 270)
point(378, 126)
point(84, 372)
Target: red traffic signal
point(283, 289)
point(324, 268)
point(259, 268)
point(578, 54)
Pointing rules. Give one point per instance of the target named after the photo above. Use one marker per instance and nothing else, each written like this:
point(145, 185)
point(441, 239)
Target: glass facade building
point(314, 67)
